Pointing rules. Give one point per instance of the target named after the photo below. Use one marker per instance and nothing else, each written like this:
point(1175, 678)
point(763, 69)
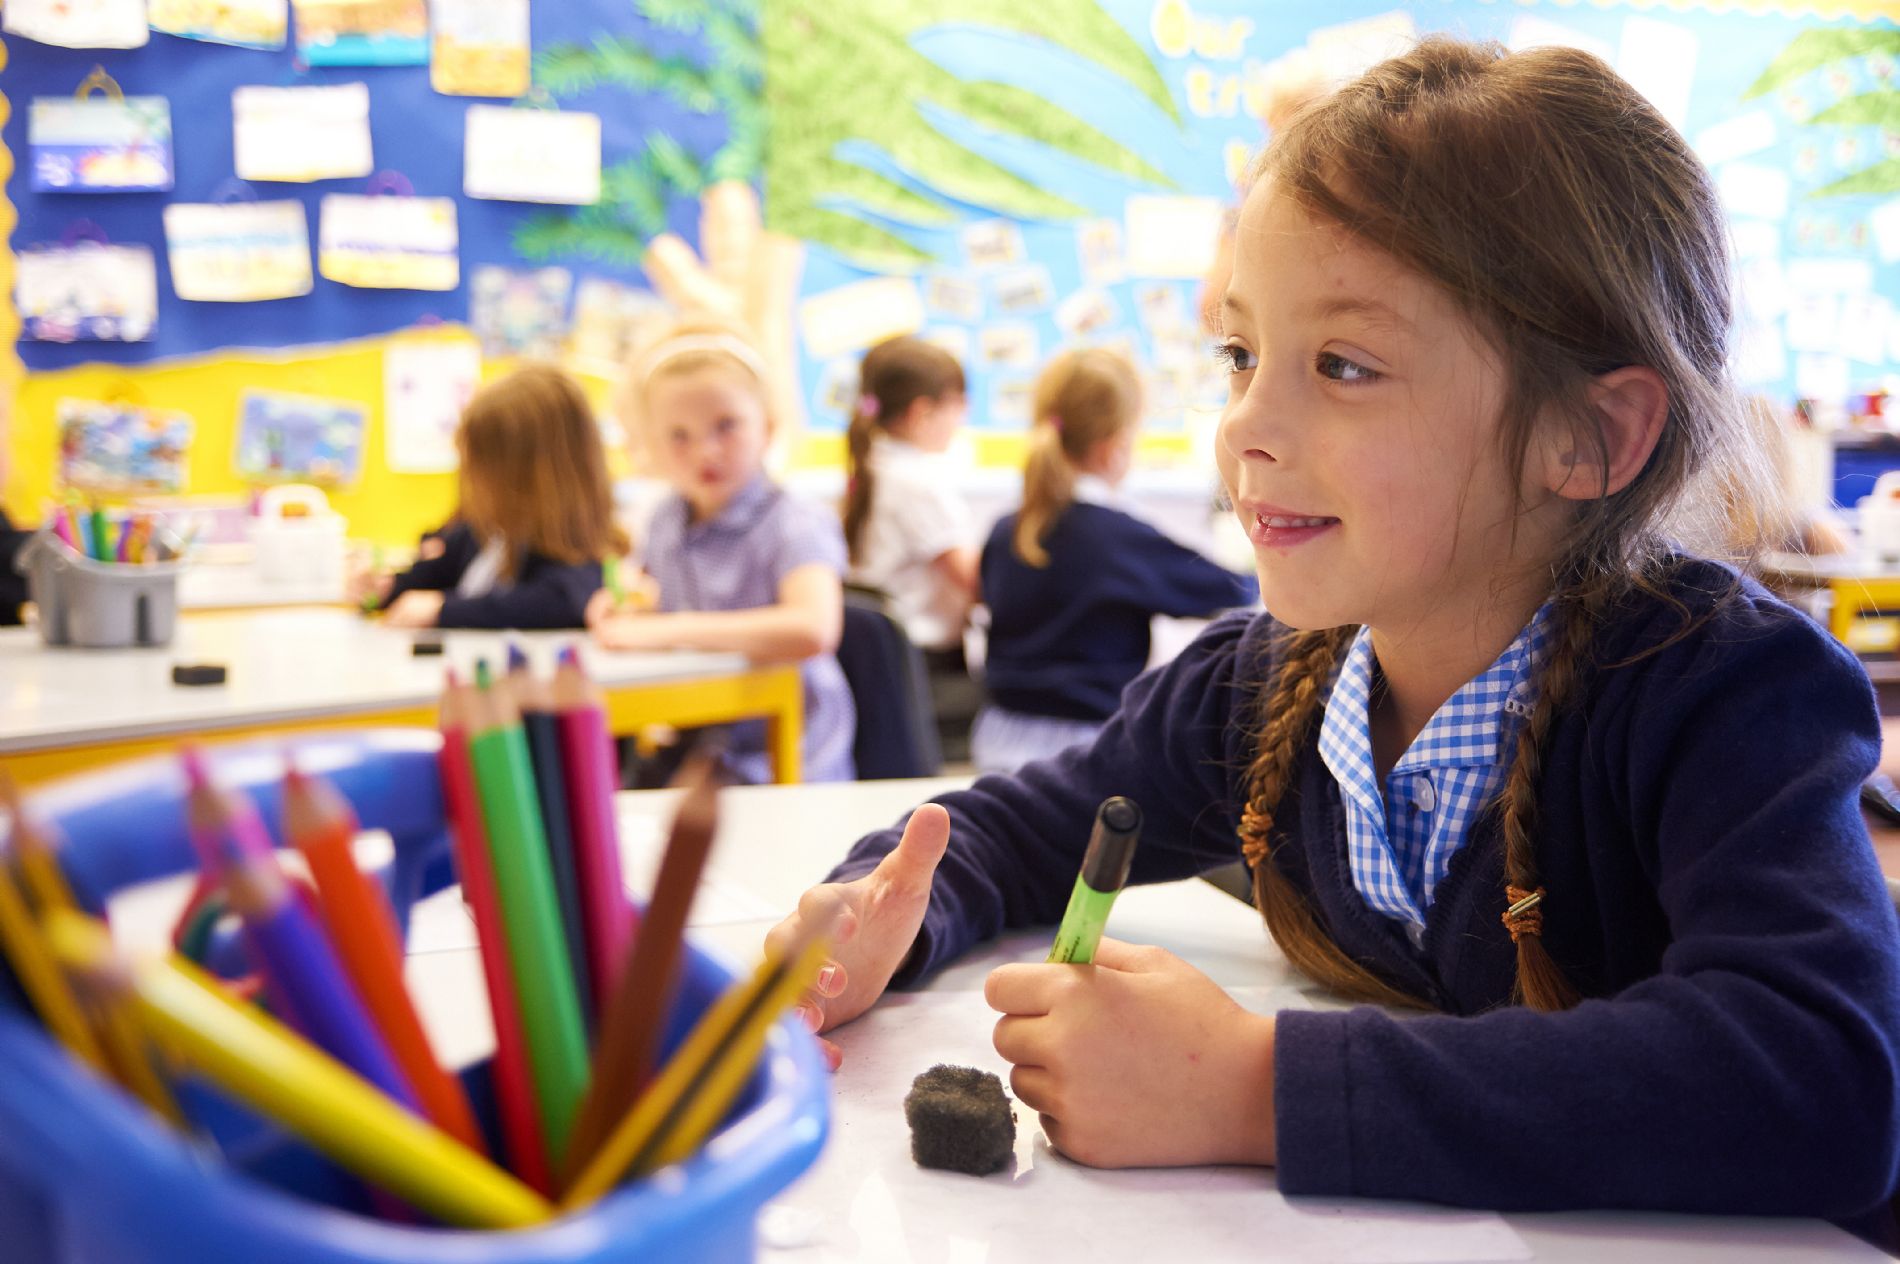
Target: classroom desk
point(207, 586)
point(1857, 584)
point(866, 1201)
point(64, 710)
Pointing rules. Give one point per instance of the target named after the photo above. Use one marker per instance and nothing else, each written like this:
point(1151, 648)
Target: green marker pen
point(610, 575)
point(1104, 871)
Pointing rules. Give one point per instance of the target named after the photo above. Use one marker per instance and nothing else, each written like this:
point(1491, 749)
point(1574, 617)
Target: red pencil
point(320, 825)
point(514, 1097)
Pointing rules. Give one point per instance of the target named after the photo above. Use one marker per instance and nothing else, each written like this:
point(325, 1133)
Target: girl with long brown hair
point(1506, 752)
point(536, 515)
point(1072, 580)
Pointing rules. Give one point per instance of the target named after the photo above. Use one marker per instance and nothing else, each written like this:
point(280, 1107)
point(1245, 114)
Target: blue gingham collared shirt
point(1438, 786)
point(736, 561)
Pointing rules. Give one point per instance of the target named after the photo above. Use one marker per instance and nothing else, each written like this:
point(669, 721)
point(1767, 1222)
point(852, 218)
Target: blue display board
point(414, 131)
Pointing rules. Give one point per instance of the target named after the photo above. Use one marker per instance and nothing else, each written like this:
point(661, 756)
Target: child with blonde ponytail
point(1072, 582)
point(1506, 749)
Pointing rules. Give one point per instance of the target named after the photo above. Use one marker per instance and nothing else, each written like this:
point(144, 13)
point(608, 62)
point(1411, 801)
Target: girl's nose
point(1249, 429)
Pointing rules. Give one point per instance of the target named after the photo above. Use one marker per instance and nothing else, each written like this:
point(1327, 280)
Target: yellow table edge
point(774, 693)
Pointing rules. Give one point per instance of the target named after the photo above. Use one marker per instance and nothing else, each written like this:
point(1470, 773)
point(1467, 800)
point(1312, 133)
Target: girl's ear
point(1629, 406)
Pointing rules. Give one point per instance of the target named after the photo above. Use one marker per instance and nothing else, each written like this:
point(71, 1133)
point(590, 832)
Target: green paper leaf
point(1882, 177)
point(1811, 50)
point(1880, 109)
point(857, 240)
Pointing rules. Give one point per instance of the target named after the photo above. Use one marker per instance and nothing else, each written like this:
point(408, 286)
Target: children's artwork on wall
point(243, 23)
point(238, 252)
point(106, 144)
point(610, 320)
point(530, 155)
point(298, 439)
point(87, 292)
point(363, 32)
point(426, 385)
point(481, 48)
point(388, 241)
point(519, 313)
point(297, 135)
point(853, 317)
point(111, 446)
point(79, 23)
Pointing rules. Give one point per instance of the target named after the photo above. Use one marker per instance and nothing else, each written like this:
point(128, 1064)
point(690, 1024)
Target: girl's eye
point(1339, 369)
point(1236, 357)
point(724, 426)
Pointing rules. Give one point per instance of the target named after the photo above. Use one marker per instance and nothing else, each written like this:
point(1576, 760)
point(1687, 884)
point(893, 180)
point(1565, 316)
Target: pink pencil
point(588, 754)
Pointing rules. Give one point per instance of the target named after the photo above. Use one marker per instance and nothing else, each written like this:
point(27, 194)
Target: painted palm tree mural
point(1819, 49)
point(809, 86)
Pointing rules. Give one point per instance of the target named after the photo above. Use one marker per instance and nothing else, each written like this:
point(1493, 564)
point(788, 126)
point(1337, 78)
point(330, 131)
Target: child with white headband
point(739, 564)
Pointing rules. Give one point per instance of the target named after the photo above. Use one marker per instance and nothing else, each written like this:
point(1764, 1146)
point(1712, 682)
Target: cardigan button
point(1424, 798)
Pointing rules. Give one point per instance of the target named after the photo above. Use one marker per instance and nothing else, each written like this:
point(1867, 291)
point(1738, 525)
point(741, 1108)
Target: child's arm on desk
point(806, 620)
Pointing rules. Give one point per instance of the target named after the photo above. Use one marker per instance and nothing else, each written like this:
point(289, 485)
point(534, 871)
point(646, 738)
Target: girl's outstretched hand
point(874, 922)
point(1138, 1060)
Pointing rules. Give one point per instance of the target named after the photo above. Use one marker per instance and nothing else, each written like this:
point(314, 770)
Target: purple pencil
point(298, 961)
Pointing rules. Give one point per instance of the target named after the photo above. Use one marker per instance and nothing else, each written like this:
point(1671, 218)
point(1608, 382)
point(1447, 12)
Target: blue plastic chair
point(88, 1176)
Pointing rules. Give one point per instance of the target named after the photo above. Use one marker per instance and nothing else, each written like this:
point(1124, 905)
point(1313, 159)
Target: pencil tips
point(483, 677)
point(570, 656)
point(197, 775)
point(517, 658)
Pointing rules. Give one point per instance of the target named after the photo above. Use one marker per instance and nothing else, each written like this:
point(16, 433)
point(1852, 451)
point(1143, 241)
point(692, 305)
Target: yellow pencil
point(273, 1070)
point(47, 888)
point(38, 972)
point(698, 1084)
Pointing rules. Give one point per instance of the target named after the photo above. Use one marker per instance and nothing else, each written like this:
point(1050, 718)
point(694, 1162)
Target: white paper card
point(532, 155)
point(1658, 58)
point(301, 134)
point(388, 243)
point(425, 387)
point(1738, 137)
point(852, 317)
point(90, 292)
point(1885, 222)
point(79, 23)
point(1172, 236)
point(1530, 32)
point(1751, 189)
point(238, 252)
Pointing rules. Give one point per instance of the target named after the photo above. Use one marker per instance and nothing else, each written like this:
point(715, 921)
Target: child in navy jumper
point(1072, 582)
point(536, 516)
point(1503, 753)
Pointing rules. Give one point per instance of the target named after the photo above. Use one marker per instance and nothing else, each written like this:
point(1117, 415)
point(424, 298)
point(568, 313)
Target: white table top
point(865, 1200)
point(282, 665)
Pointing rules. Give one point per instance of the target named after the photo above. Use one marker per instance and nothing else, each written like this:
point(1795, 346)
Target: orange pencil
point(514, 1096)
point(320, 825)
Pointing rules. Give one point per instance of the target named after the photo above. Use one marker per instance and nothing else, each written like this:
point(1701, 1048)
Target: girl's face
point(1360, 441)
point(709, 435)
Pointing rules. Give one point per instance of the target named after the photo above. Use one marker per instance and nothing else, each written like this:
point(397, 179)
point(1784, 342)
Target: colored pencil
point(320, 825)
point(268, 1067)
point(39, 975)
point(530, 911)
point(48, 889)
point(698, 1085)
point(514, 1093)
point(63, 530)
point(101, 535)
point(287, 942)
point(631, 1024)
point(587, 758)
point(125, 538)
point(543, 731)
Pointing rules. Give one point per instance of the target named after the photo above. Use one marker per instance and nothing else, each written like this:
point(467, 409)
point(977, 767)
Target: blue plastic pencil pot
point(88, 1176)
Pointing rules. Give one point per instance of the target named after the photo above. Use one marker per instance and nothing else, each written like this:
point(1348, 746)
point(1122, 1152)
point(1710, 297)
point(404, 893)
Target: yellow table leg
point(1854, 597)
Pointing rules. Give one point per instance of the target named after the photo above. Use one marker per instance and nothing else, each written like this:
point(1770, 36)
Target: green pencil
point(610, 575)
point(1104, 872)
point(530, 911)
point(101, 535)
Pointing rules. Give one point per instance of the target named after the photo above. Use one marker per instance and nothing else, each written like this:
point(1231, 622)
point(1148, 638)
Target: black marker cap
point(1112, 844)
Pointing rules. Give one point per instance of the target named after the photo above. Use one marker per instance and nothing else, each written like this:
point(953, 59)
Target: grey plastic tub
point(98, 605)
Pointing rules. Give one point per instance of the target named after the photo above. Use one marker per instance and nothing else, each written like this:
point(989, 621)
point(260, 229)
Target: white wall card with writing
point(79, 23)
point(110, 143)
point(531, 155)
point(297, 135)
point(87, 291)
point(388, 241)
point(238, 252)
point(425, 387)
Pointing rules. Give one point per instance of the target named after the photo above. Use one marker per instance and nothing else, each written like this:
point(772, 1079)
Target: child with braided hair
point(1505, 749)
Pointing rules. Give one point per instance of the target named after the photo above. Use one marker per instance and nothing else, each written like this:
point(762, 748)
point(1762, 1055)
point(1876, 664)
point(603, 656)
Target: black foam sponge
point(960, 1120)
